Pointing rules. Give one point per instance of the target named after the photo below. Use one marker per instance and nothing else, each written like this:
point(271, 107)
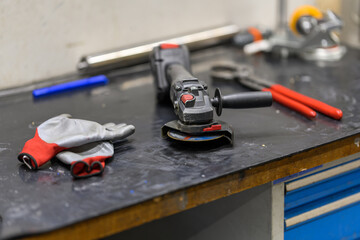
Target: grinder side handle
point(241, 100)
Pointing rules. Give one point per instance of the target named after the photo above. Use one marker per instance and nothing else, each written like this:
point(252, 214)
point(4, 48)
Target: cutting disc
point(188, 138)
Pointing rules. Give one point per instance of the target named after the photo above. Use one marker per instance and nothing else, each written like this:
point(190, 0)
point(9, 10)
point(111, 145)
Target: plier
point(304, 105)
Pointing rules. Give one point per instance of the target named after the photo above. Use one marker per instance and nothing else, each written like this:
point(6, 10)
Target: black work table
point(148, 177)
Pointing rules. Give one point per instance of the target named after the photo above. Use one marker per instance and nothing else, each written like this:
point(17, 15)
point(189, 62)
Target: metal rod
point(139, 54)
point(281, 17)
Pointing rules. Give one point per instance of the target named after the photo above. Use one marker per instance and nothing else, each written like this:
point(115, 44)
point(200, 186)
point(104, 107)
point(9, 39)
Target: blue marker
point(86, 82)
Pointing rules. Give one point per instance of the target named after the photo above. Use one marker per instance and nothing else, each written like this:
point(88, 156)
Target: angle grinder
point(170, 65)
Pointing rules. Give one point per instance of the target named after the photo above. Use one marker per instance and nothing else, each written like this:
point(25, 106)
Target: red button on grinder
point(186, 97)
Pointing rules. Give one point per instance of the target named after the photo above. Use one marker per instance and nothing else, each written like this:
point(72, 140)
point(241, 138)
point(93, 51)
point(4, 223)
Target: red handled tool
point(285, 96)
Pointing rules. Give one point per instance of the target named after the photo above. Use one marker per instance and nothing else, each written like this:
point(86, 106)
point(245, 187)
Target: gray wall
point(41, 39)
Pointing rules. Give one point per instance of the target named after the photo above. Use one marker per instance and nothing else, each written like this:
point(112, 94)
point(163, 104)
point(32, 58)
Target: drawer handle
point(322, 210)
point(321, 176)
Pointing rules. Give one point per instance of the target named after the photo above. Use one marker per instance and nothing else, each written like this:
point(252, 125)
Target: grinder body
point(170, 65)
point(189, 96)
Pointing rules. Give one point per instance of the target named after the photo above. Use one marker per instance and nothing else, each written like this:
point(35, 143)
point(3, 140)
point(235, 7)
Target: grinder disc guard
point(197, 133)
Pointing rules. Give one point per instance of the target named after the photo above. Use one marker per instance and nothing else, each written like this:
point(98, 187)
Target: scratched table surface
point(146, 166)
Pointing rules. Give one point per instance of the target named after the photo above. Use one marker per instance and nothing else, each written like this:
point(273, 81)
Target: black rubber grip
point(241, 100)
point(177, 72)
point(247, 100)
point(160, 59)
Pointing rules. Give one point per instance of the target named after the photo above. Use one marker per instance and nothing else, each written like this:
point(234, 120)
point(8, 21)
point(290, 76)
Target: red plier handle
point(308, 101)
point(292, 104)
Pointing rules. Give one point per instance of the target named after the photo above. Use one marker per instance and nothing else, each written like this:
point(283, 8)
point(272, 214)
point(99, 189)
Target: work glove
point(62, 132)
point(87, 160)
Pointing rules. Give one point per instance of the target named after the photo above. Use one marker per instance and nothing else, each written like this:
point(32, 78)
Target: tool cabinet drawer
point(324, 205)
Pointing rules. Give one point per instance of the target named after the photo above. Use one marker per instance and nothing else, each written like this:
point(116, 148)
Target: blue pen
point(86, 82)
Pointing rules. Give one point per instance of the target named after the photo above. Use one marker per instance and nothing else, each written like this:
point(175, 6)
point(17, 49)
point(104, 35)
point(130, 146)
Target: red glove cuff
point(37, 152)
point(88, 167)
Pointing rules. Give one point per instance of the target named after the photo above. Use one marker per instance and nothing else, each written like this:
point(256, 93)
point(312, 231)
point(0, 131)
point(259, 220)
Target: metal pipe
point(136, 55)
point(282, 26)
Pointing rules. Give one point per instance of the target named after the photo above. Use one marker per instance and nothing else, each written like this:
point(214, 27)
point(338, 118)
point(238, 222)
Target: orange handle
point(294, 105)
point(310, 102)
